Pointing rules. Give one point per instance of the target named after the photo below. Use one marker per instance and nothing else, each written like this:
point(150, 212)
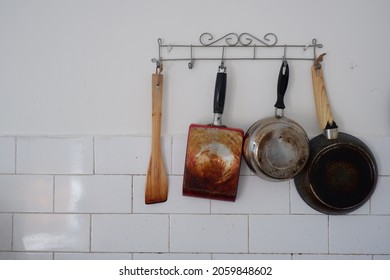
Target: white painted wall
point(83, 67)
point(75, 125)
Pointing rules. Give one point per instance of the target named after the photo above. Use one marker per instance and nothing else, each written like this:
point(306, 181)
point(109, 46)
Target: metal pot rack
point(252, 48)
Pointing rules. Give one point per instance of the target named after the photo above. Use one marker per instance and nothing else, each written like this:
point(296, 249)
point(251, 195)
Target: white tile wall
point(179, 146)
point(127, 155)
point(93, 256)
point(26, 193)
point(130, 233)
point(176, 203)
point(93, 194)
point(256, 196)
point(169, 256)
point(331, 257)
point(209, 233)
point(288, 234)
point(381, 149)
point(7, 152)
point(380, 198)
point(5, 231)
point(359, 235)
point(25, 256)
point(50, 155)
point(51, 232)
point(83, 198)
point(381, 257)
point(252, 256)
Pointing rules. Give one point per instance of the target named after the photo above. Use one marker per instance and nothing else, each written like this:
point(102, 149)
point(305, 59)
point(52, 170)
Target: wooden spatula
point(157, 180)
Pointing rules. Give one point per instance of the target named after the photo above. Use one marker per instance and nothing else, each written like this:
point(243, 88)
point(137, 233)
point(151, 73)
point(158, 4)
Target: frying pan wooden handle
point(156, 181)
point(324, 113)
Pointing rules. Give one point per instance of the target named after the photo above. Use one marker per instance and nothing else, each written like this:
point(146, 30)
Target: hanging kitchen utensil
point(156, 180)
point(213, 155)
point(341, 173)
point(276, 148)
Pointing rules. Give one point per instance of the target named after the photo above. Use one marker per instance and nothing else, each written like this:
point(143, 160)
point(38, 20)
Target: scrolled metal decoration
point(246, 39)
point(233, 39)
point(206, 39)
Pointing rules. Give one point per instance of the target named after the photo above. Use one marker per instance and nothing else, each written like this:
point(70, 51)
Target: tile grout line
point(93, 174)
point(169, 174)
point(370, 206)
point(93, 156)
point(90, 233)
point(13, 214)
point(289, 197)
point(16, 155)
point(12, 231)
point(132, 195)
point(248, 234)
point(54, 193)
point(171, 159)
point(169, 233)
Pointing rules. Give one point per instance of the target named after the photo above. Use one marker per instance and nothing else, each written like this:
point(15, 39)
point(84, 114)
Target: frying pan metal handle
point(219, 97)
point(284, 74)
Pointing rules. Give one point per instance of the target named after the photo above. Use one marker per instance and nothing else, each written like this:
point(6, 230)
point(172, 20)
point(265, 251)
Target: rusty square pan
point(213, 155)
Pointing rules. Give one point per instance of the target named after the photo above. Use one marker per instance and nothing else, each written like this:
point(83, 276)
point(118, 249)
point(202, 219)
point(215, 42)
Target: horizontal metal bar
point(239, 46)
point(233, 58)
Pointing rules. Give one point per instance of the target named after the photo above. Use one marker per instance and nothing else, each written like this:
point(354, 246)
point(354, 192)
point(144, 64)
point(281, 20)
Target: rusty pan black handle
point(284, 74)
point(220, 93)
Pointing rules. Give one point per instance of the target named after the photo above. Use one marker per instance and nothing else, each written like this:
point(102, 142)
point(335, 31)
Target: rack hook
point(158, 63)
point(159, 42)
point(159, 67)
point(314, 41)
point(159, 59)
point(222, 66)
point(284, 59)
point(191, 63)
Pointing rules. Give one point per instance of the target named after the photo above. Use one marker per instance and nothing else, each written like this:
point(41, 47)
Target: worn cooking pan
point(213, 155)
point(276, 148)
point(341, 173)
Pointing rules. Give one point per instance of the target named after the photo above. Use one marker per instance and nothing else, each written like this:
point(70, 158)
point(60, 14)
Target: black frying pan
point(341, 173)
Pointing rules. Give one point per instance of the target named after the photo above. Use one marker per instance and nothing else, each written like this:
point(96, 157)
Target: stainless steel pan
point(276, 148)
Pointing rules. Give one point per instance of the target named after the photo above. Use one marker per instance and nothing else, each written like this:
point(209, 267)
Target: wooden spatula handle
point(156, 181)
point(157, 96)
point(324, 113)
